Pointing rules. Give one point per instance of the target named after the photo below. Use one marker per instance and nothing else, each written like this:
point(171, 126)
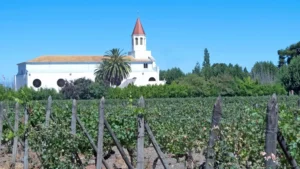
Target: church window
point(145, 65)
point(141, 41)
point(37, 83)
point(136, 41)
point(61, 82)
point(152, 79)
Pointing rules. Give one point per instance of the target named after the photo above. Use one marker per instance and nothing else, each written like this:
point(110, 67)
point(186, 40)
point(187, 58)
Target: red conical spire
point(138, 28)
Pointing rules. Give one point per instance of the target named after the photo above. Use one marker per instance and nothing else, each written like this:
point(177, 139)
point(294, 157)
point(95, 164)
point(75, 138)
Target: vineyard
point(180, 126)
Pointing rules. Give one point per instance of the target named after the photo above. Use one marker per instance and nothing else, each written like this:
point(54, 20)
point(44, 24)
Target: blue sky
point(234, 31)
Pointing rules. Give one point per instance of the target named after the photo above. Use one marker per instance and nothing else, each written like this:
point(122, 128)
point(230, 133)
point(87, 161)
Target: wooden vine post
point(26, 155)
point(214, 134)
point(75, 156)
point(141, 135)
point(48, 112)
point(100, 134)
point(1, 121)
point(271, 133)
point(73, 124)
point(15, 145)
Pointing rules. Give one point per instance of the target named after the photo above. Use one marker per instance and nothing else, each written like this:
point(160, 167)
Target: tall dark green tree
point(206, 61)
point(287, 54)
point(196, 69)
point(114, 67)
point(245, 70)
point(206, 65)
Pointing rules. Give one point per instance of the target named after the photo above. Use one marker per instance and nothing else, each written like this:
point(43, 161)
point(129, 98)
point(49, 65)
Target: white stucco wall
point(50, 73)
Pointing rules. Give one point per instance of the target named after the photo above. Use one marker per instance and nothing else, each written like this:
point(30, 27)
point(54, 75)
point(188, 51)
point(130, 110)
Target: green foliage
point(290, 75)
point(179, 125)
point(197, 69)
point(206, 60)
point(264, 72)
point(193, 85)
point(84, 89)
point(287, 54)
point(171, 74)
point(43, 94)
point(196, 84)
point(69, 91)
point(290, 117)
point(154, 91)
point(114, 68)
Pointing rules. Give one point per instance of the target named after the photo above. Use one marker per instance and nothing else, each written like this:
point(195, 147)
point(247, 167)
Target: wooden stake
point(26, 140)
point(100, 134)
point(48, 112)
point(214, 134)
point(271, 132)
point(15, 145)
point(141, 135)
point(73, 122)
point(1, 121)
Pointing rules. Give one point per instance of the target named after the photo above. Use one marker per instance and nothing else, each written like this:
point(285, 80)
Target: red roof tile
point(138, 28)
point(74, 59)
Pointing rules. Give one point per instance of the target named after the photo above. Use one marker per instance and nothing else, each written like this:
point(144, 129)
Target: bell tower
point(138, 38)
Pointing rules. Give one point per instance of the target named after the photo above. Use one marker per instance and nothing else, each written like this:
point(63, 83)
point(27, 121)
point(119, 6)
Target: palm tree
point(114, 67)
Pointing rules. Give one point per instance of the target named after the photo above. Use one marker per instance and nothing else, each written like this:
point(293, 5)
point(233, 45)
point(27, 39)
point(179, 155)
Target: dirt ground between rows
point(115, 161)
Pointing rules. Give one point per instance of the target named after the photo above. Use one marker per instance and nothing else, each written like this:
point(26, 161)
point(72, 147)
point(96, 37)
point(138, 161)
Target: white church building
point(53, 71)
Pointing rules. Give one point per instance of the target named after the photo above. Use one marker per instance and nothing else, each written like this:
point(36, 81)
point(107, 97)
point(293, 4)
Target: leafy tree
point(82, 88)
point(171, 74)
point(206, 65)
point(197, 69)
point(287, 54)
point(246, 71)
point(264, 72)
point(114, 67)
point(69, 91)
point(206, 61)
point(98, 89)
point(224, 85)
point(197, 85)
point(218, 69)
point(290, 75)
point(285, 77)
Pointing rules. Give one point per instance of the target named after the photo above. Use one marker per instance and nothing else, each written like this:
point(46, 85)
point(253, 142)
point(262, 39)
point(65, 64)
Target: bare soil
point(115, 161)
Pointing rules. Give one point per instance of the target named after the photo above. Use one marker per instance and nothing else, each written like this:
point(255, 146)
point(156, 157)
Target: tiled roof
point(138, 28)
point(76, 59)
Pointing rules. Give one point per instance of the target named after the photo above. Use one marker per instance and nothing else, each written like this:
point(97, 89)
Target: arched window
point(152, 79)
point(141, 41)
point(136, 41)
point(37, 83)
point(61, 82)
